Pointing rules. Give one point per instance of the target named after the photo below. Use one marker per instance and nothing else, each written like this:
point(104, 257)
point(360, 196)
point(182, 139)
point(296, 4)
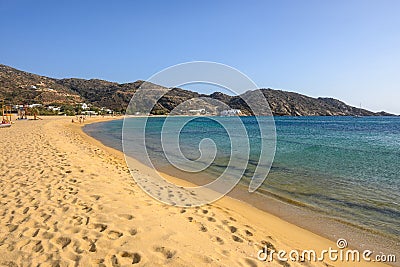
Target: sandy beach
point(67, 200)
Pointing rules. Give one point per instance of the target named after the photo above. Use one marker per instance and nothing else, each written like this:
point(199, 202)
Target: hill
point(21, 87)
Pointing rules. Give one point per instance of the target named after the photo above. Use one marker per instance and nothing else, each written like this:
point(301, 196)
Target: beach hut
point(6, 115)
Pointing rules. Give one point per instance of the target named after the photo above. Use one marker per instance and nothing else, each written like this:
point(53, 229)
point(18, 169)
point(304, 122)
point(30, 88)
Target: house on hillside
point(106, 110)
point(197, 111)
point(84, 106)
point(231, 112)
point(89, 113)
point(53, 108)
point(34, 105)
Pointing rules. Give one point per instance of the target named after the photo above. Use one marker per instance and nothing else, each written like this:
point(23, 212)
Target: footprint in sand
point(237, 239)
point(233, 229)
point(219, 240)
point(92, 244)
point(101, 227)
point(36, 233)
point(25, 210)
point(77, 220)
point(96, 197)
point(248, 233)
point(113, 235)
point(11, 246)
point(46, 217)
point(211, 219)
point(203, 228)
point(114, 261)
point(126, 216)
point(92, 247)
point(38, 247)
point(47, 235)
point(132, 231)
point(77, 247)
point(168, 254)
point(134, 258)
point(63, 241)
point(12, 227)
point(268, 244)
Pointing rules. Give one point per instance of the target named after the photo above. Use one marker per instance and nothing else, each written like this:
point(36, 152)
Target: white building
point(89, 112)
point(197, 111)
point(106, 110)
point(54, 108)
point(35, 105)
point(84, 106)
point(231, 112)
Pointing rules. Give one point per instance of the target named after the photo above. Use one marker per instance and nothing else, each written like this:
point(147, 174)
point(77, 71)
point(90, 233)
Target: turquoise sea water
point(343, 167)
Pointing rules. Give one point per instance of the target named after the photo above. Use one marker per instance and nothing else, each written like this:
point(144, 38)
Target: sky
point(347, 49)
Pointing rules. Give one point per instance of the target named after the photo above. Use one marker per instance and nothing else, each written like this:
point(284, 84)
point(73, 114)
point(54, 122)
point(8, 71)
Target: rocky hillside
point(23, 87)
point(282, 103)
point(102, 93)
point(20, 87)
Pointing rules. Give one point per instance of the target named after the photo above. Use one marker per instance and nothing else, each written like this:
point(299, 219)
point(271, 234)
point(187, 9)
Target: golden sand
point(67, 200)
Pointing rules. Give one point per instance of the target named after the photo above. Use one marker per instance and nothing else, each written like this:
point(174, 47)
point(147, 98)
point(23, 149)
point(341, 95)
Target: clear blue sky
point(341, 48)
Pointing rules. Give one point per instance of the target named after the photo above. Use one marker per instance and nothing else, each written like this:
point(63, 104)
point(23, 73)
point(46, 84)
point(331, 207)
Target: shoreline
point(298, 216)
point(68, 200)
point(294, 213)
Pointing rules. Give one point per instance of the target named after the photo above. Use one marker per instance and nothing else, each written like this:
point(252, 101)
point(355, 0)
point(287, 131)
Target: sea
point(343, 168)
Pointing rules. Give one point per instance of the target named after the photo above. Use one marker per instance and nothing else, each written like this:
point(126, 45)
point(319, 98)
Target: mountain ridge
point(20, 87)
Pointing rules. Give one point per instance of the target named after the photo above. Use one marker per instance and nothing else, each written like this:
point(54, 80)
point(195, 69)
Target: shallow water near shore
point(342, 168)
